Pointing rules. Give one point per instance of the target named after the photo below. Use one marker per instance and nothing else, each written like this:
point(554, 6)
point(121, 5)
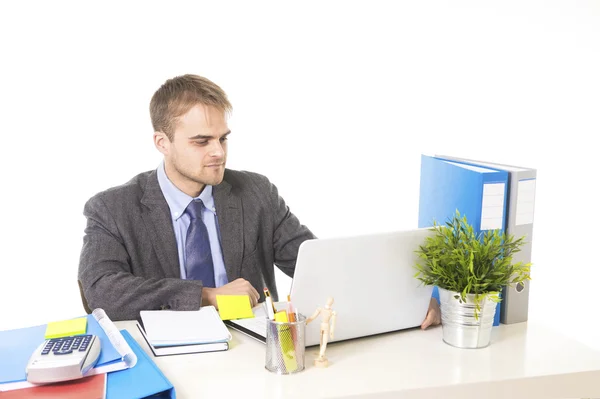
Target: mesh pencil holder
point(285, 346)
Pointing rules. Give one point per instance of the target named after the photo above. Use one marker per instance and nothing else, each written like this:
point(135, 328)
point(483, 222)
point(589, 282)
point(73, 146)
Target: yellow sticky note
point(66, 328)
point(234, 307)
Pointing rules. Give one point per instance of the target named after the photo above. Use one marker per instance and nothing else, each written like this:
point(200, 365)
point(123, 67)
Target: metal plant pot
point(460, 326)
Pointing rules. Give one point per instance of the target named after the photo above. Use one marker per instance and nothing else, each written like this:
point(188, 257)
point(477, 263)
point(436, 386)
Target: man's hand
point(236, 287)
point(434, 315)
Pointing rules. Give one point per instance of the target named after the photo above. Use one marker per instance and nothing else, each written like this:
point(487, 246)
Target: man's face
point(196, 156)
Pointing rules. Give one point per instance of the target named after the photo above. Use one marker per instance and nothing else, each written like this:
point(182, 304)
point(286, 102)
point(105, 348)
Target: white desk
point(524, 360)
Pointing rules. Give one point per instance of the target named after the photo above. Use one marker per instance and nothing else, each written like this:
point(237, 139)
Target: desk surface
point(524, 360)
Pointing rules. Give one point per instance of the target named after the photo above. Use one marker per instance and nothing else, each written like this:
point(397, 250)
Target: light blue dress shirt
point(178, 201)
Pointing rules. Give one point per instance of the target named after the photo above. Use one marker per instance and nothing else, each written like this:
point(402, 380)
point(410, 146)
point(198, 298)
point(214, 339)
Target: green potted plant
point(469, 270)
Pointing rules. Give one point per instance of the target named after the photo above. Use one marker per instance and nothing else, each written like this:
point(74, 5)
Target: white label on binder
point(492, 206)
point(525, 201)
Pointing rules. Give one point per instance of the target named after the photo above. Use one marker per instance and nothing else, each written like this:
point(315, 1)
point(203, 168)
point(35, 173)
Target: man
point(177, 236)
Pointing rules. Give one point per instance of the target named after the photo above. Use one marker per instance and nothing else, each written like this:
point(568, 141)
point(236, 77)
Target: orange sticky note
point(234, 307)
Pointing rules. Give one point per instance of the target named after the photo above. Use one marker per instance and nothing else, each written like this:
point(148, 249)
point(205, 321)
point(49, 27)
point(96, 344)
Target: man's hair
point(178, 95)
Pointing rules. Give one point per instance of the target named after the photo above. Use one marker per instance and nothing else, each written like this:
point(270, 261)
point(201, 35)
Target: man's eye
point(223, 139)
point(201, 142)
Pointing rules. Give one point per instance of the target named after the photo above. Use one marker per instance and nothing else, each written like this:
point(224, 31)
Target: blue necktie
point(198, 257)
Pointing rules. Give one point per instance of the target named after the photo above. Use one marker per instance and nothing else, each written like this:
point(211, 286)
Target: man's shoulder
point(133, 188)
point(243, 179)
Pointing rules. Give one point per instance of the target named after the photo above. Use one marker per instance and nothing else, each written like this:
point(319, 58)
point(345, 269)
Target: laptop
point(370, 278)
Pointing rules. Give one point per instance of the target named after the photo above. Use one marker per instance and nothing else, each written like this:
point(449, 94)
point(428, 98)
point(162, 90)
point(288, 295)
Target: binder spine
point(515, 302)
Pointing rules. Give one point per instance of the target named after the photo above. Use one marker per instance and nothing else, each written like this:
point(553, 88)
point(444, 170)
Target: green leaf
point(459, 260)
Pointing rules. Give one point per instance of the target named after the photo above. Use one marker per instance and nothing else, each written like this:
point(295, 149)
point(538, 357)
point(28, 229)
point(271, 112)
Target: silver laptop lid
point(371, 279)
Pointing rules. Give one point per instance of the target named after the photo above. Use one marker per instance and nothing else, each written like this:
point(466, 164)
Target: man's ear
point(162, 142)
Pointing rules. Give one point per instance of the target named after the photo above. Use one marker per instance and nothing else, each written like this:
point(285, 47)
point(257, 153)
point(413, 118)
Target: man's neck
point(187, 186)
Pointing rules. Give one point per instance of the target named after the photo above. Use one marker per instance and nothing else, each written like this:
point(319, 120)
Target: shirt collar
point(177, 199)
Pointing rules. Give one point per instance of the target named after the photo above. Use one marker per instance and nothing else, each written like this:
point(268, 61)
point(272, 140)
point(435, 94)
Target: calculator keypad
point(66, 345)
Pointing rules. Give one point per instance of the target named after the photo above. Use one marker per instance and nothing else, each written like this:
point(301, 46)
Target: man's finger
point(251, 298)
point(254, 294)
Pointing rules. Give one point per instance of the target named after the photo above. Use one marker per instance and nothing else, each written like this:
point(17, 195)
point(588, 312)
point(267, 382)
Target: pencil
point(291, 315)
point(268, 295)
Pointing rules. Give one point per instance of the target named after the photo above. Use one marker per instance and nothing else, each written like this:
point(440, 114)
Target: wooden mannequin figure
point(327, 328)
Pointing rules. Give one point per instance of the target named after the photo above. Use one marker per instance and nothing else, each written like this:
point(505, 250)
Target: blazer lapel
point(229, 216)
point(160, 227)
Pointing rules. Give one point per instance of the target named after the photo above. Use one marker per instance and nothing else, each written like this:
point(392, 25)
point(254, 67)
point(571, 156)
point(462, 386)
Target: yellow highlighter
point(281, 316)
point(286, 342)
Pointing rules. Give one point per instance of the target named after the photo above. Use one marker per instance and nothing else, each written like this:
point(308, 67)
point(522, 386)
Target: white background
point(334, 101)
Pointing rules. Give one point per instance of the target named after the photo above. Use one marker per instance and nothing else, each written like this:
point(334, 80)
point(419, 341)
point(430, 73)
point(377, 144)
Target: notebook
point(183, 349)
point(167, 328)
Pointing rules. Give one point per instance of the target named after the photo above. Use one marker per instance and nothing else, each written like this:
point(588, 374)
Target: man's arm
point(288, 234)
point(106, 275)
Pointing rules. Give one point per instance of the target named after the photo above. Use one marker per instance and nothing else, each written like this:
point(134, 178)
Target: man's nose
point(216, 149)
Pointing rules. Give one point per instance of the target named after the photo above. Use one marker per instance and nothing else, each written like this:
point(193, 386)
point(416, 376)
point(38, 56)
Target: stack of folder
point(491, 196)
point(142, 380)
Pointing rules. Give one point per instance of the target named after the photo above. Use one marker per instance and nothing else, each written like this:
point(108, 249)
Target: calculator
point(63, 359)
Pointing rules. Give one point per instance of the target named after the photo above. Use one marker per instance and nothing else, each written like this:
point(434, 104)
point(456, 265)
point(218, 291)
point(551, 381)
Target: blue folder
point(476, 192)
point(17, 346)
point(142, 380)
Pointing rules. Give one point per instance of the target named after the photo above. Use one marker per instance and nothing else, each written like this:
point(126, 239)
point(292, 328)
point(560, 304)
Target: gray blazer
point(129, 259)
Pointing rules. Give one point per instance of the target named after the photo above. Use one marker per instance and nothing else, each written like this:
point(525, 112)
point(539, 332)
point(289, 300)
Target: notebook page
point(176, 327)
